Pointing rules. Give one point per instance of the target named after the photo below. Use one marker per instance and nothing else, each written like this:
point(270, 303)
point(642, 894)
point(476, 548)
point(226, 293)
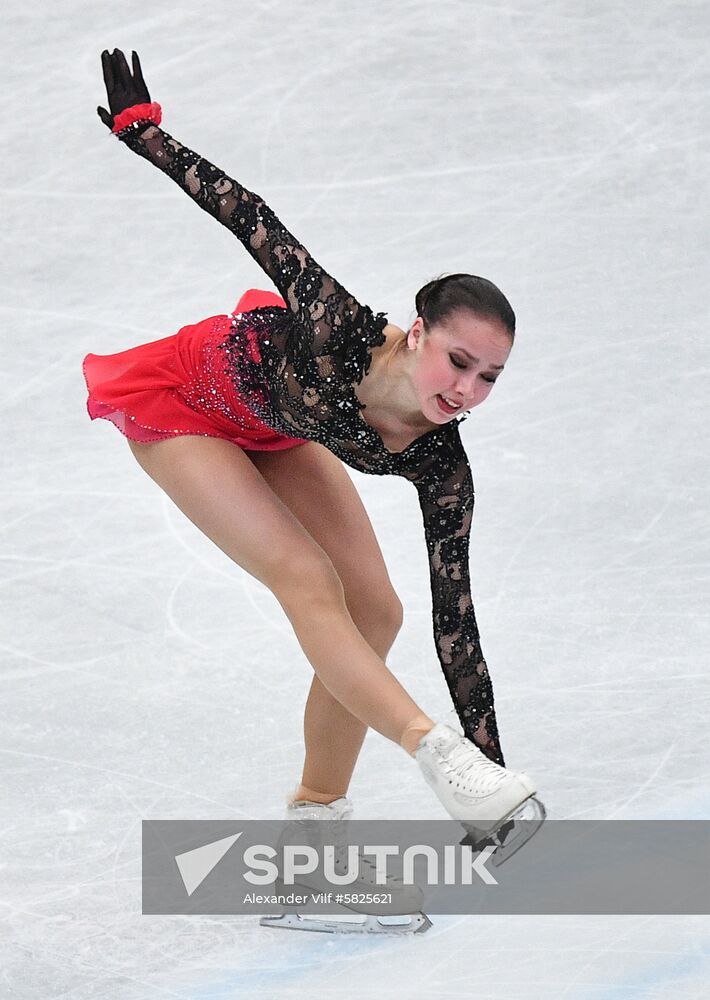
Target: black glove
point(123, 89)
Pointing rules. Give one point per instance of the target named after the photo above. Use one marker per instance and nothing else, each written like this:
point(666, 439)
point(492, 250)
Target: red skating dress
point(179, 385)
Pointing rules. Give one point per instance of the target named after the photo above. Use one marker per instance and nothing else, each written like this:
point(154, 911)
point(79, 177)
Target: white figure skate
point(400, 916)
point(495, 806)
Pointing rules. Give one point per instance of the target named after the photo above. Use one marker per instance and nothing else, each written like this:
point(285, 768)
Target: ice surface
point(559, 149)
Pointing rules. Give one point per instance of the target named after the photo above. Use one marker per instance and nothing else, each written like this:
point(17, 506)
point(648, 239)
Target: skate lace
point(482, 774)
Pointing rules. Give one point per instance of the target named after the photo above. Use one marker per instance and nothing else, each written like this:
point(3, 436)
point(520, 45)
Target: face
point(459, 359)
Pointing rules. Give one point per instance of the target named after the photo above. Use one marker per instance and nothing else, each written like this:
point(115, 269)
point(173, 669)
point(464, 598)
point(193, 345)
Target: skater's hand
point(123, 88)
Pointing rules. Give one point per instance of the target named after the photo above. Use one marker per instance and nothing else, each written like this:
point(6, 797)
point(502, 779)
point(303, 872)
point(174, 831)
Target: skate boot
point(495, 806)
point(401, 914)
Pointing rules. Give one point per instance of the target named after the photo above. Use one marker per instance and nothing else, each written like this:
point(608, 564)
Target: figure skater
point(244, 421)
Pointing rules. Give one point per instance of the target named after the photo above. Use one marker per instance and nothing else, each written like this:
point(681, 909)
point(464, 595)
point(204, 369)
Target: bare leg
point(218, 488)
point(347, 665)
point(333, 739)
point(316, 487)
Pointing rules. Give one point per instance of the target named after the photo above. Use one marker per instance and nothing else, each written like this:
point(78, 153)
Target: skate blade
point(517, 829)
point(411, 923)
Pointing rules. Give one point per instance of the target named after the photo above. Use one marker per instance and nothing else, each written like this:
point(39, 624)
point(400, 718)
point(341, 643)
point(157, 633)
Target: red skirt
point(178, 385)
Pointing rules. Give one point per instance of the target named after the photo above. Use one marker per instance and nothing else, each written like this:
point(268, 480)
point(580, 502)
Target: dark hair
point(439, 298)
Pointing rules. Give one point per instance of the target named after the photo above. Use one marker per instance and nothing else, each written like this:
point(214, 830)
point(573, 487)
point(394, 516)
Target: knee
point(379, 615)
point(308, 587)
point(393, 615)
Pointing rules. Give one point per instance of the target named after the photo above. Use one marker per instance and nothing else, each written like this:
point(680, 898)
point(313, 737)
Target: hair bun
point(448, 293)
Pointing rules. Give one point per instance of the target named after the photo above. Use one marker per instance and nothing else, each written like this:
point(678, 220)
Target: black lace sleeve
point(321, 305)
point(445, 489)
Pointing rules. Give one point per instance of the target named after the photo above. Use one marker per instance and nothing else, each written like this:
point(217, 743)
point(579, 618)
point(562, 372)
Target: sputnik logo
point(194, 866)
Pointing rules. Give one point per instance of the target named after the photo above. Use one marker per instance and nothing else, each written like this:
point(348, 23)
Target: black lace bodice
point(297, 367)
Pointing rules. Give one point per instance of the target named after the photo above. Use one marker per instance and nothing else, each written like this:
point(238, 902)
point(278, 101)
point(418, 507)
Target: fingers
point(120, 81)
point(108, 70)
point(105, 116)
point(137, 71)
point(124, 73)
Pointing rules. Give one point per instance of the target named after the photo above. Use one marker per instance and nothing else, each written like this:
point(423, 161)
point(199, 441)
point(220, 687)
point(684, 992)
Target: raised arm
point(445, 489)
point(320, 303)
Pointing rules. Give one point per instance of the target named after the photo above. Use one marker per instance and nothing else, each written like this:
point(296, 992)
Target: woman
point(244, 422)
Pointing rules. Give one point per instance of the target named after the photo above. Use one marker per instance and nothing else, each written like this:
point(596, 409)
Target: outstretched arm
point(445, 490)
point(318, 300)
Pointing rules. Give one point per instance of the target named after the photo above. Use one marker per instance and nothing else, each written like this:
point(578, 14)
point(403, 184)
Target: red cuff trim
point(138, 113)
